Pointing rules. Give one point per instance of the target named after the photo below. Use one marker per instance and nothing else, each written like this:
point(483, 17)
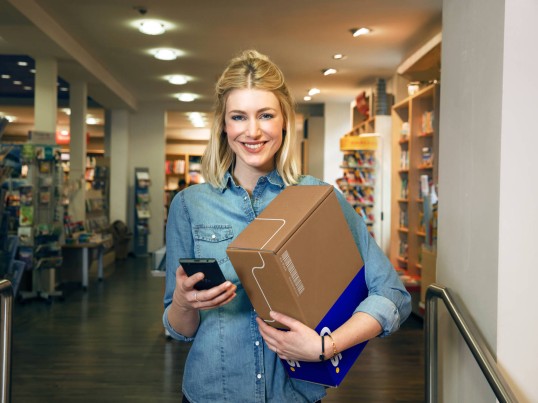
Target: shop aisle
point(108, 345)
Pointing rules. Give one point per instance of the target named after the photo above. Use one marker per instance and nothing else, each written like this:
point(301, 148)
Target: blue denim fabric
point(228, 360)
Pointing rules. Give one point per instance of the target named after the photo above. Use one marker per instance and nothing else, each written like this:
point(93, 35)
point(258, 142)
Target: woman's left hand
point(300, 343)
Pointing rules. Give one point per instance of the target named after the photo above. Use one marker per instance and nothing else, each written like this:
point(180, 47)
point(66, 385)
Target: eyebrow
point(258, 111)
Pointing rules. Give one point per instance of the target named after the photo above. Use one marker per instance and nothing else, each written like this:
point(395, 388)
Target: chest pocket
point(211, 241)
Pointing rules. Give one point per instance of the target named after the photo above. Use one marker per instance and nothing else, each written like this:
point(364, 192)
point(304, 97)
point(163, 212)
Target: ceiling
point(97, 42)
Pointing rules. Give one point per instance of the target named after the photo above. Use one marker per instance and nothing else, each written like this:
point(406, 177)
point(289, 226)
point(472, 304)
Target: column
point(78, 95)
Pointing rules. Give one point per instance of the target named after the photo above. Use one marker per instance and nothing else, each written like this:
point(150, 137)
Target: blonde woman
point(249, 160)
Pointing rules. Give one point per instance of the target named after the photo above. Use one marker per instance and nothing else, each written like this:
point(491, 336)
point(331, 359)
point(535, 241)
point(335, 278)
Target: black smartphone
point(208, 266)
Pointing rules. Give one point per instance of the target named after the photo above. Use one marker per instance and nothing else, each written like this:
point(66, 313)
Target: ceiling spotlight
point(177, 79)
point(313, 91)
point(17, 82)
point(90, 120)
point(165, 54)
point(6, 76)
point(307, 98)
point(22, 63)
point(197, 119)
point(360, 31)
point(339, 56)
point(186, 97)
point(328, 72)
point(151, 27)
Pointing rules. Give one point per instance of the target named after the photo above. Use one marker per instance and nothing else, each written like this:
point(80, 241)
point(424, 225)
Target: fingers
point(214, 297)
point(187, 283)
point(298, 343)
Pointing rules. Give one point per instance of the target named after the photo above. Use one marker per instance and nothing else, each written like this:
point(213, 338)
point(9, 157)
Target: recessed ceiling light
point(27, 88)
point(90, 120)
point(313, 91)
point(64, 89)
point(67, 111)
point(177, 79)
point(6, 76)
point(197, 119)
point(360, 31)
point(166, 54)
point(17, 82)
point(328, 72)
point(186, 97)
point(22, 63)
point(151, 27)
point(9, 118)
point(307, 98)
point(339, 56)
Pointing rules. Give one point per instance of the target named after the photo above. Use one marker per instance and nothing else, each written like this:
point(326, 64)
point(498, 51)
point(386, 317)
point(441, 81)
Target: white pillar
point(119, 164)
point(338, 121)
point(46, 97)
point(147, 149)
point(487, 196)
point(78, 95)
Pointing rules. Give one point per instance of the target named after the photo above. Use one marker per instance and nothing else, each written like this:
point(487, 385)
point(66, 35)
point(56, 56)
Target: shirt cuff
point(384, 311)
point(173, 333)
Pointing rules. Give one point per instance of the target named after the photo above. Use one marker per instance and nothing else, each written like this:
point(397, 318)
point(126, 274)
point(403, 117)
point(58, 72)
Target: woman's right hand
point(189, 298)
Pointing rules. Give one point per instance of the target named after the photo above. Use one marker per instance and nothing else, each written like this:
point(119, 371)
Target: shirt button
point(245, 198)
point(257, 343)
point(259, 376)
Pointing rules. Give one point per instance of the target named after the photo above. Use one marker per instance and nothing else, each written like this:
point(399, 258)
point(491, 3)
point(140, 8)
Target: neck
point(247, 178)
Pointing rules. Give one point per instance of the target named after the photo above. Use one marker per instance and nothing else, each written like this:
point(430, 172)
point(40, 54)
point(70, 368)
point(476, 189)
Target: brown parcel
point(297, 256)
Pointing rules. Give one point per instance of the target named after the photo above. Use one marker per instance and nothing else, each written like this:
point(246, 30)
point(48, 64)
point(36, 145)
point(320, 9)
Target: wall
point(315, 127)
point(517, 328)
point(147, 149)
point(338, 121)
point(486, 235)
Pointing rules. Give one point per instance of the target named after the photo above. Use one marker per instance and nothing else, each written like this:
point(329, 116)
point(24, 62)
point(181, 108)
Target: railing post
point(431, 347)
point(472, 337)
point(6, 307)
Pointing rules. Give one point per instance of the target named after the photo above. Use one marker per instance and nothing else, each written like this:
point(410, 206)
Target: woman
point(250, 158)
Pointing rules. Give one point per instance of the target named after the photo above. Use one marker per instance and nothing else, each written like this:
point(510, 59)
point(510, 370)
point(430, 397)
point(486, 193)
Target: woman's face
point(253, 122)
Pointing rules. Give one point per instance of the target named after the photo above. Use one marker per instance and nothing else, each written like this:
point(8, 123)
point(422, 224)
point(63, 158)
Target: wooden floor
point(107, 345)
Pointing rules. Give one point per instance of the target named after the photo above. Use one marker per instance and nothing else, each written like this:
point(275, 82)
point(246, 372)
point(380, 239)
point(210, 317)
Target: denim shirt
point(228, 360)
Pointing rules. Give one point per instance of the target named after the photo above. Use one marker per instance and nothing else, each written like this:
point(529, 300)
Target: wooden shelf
point(413, 111)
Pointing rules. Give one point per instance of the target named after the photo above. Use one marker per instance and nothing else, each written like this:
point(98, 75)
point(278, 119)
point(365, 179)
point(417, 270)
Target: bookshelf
point(365, 182)
point(415, 149)
point(142, 212)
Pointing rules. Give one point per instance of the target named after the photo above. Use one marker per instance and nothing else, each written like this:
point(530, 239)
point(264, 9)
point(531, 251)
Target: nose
point(254, 129)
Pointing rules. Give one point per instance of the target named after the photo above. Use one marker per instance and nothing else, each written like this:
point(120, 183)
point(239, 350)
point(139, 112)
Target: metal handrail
point(474, 340)
point(6, 307)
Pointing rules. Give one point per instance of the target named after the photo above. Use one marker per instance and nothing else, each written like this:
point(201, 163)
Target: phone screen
point(212, 273)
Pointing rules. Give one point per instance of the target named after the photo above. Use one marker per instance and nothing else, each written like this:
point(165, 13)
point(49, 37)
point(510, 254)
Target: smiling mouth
point(254, 146)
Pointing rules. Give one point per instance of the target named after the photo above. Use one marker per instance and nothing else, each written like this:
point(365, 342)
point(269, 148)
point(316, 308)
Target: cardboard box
point(298, 257)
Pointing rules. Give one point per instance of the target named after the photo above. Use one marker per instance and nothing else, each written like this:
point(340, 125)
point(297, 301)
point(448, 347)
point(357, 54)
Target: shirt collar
point(272, 177)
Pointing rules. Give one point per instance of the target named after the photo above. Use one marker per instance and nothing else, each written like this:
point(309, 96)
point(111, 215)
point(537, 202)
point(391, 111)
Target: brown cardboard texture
point(297, 256)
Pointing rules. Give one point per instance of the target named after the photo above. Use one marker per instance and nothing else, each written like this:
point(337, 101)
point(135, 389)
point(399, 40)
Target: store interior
point(97, 133)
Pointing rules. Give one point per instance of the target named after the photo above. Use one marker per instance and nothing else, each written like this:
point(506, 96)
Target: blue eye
point(266, 116)
point(238, 117)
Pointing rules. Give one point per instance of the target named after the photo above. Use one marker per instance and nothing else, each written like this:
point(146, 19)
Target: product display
point(142, 212)
point(415, 146)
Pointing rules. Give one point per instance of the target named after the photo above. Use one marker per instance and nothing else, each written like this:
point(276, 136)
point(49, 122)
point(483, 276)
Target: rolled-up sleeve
point(388, 301)
point(179, 243)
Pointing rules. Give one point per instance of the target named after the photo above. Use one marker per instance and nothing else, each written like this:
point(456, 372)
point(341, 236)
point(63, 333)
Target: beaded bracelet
point(335, 351)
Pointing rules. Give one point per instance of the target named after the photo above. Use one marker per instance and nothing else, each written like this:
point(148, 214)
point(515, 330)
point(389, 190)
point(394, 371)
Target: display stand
point(415, 177)
point(33, 212)
point(142, 212)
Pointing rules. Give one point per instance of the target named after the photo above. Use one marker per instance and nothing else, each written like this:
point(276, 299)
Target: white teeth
point(253, 146)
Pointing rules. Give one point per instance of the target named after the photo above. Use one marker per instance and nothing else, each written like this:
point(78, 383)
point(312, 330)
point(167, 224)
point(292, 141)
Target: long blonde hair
point(252, 70)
